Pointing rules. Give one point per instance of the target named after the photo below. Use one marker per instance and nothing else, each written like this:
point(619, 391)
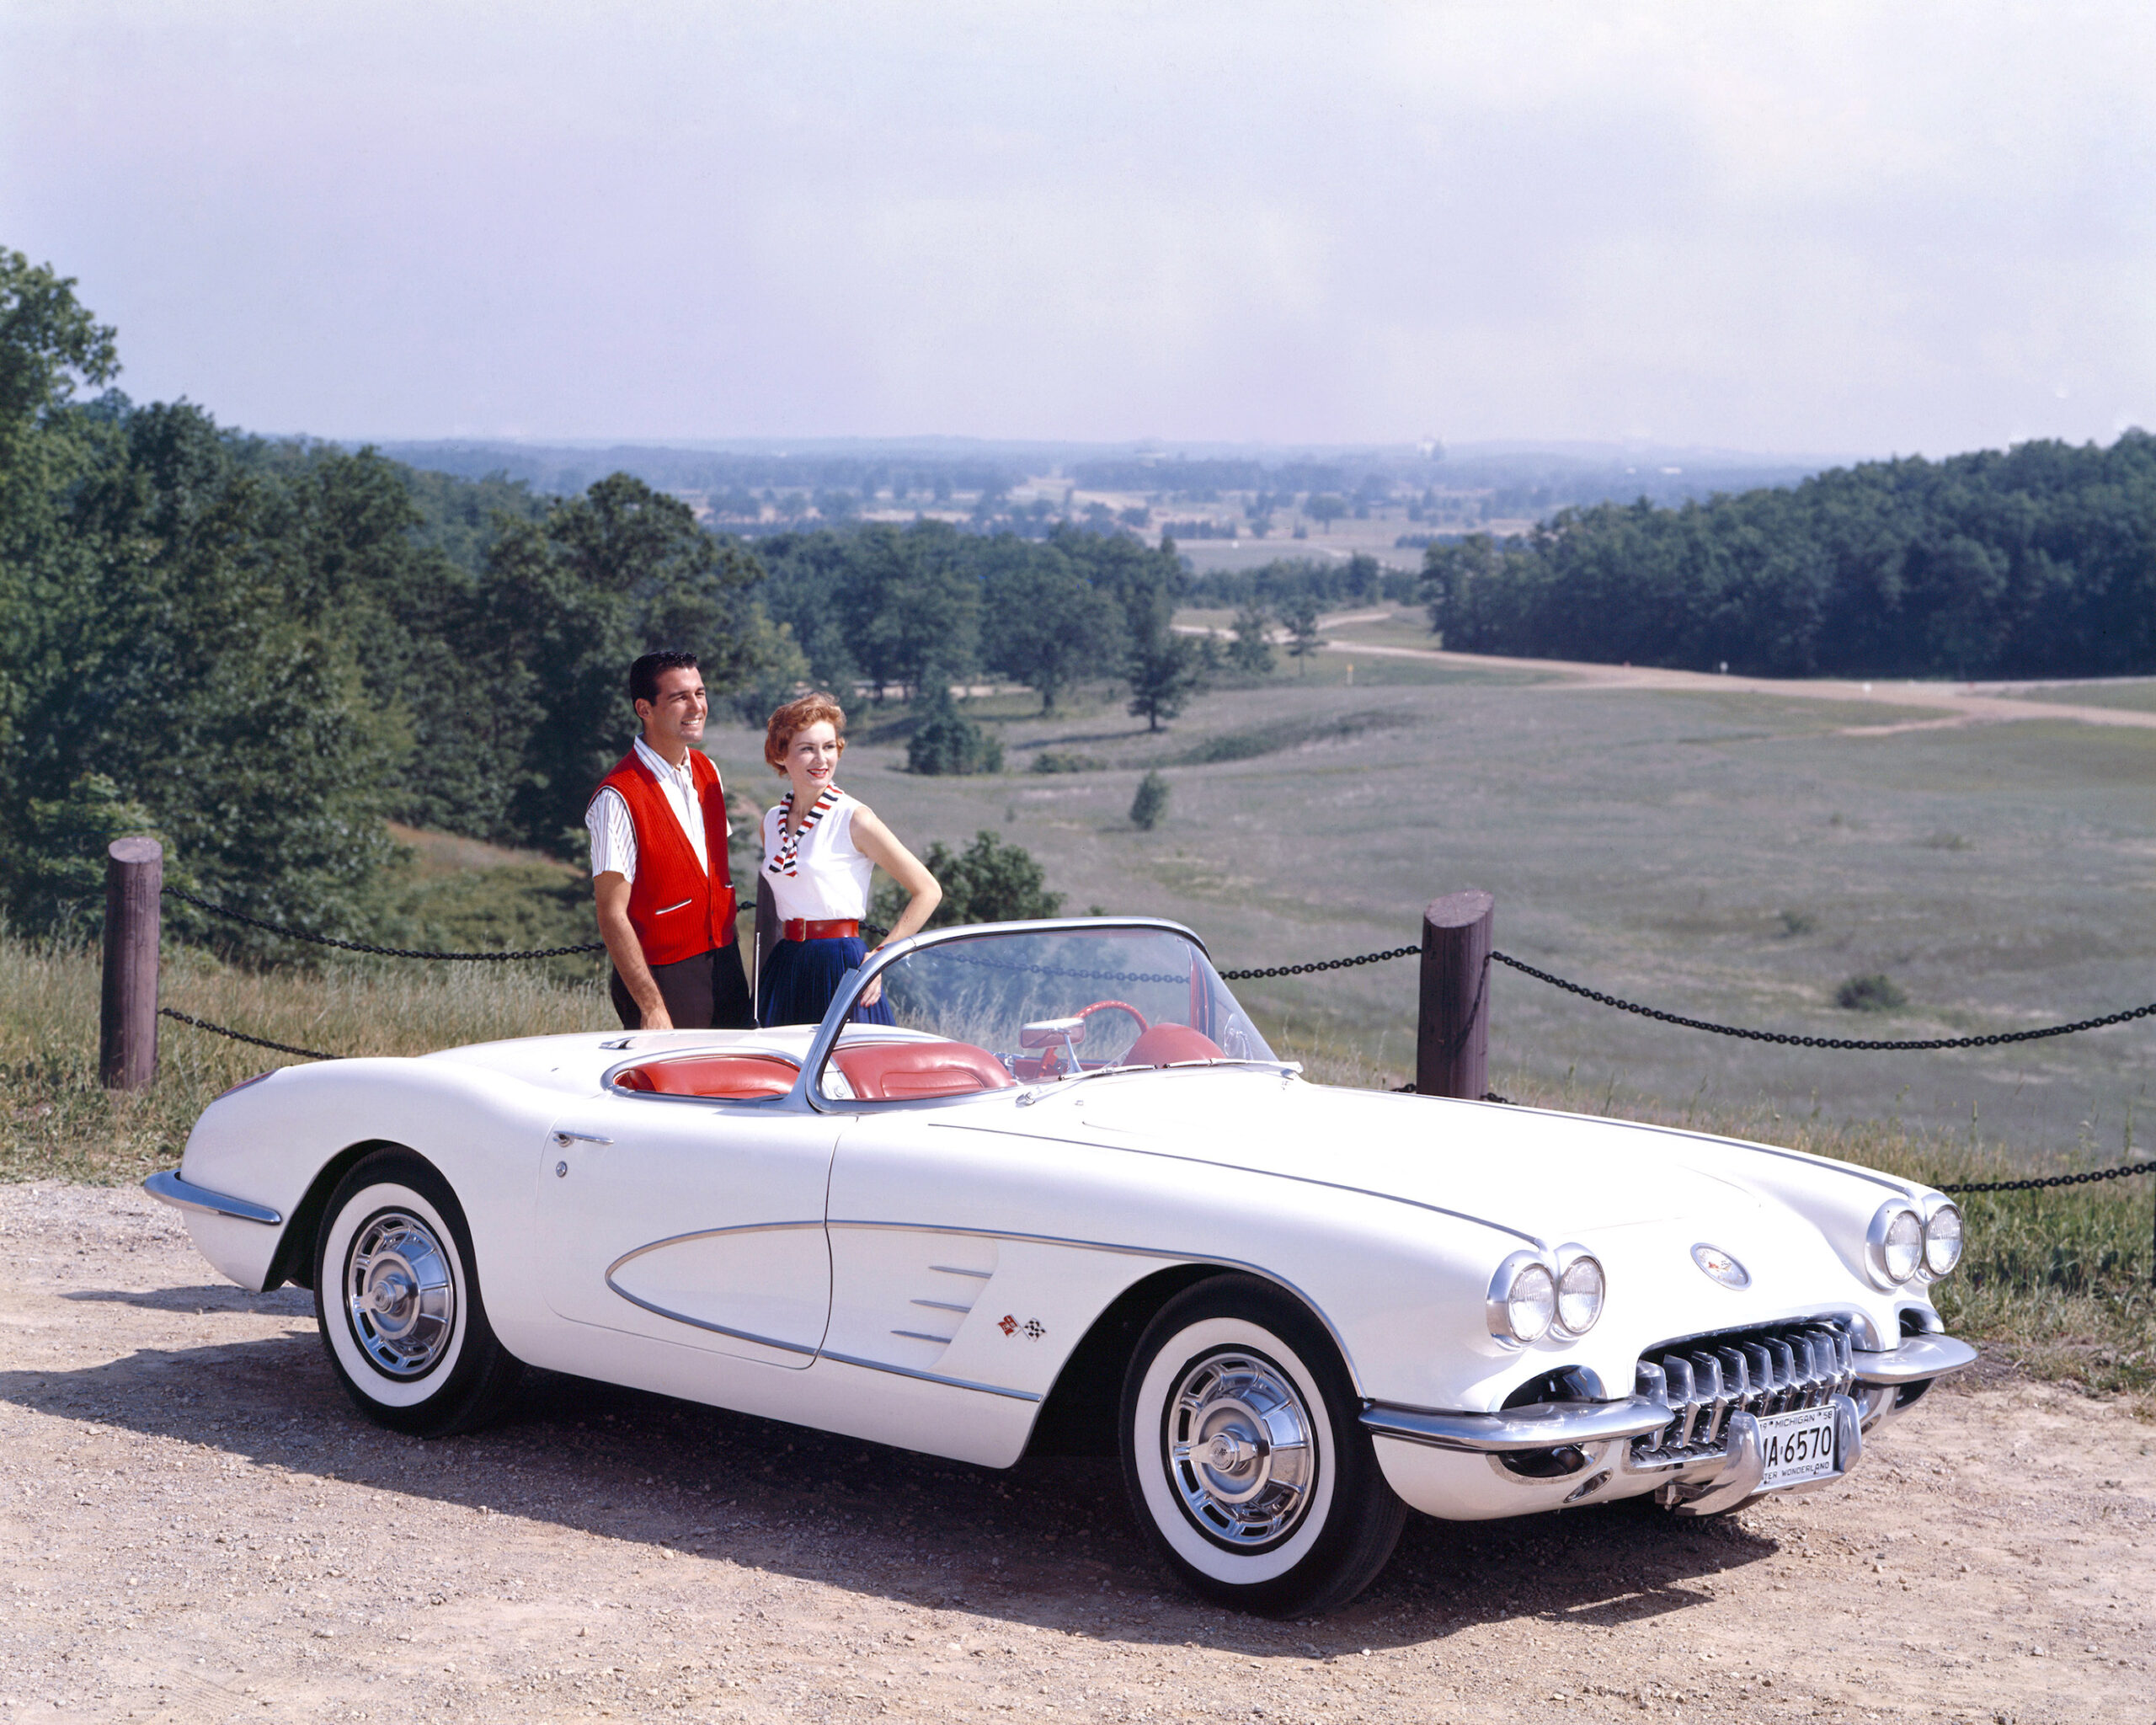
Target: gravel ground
point(196, 1526)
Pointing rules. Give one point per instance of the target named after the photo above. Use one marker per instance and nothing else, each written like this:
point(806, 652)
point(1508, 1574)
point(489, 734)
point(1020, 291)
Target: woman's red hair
point(796, 716)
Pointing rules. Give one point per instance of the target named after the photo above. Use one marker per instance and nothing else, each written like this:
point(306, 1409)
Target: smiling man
point(659, 868)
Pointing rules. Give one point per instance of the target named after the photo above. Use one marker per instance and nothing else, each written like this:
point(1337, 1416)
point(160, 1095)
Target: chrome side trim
point(704, 1234)
point(932, 1377)
point(1541, 1425)
point(167, 1188)
point(942, 1305)
point(1918, 1360)
point(952, 1269)
point(700, 1323)
point(1168, 1256)
point(681, 1318)
point(923, 1335)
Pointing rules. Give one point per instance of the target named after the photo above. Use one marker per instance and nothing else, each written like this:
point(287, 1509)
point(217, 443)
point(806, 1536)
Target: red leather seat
point(1164, 1043)
point(907, 1071)
point(728, 1078)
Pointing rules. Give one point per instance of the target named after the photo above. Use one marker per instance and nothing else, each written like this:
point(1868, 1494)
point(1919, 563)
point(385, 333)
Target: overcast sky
point(1799, 228)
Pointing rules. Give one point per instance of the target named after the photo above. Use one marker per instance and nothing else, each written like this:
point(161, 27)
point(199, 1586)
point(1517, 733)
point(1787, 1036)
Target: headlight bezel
point(1504, 1289)
point(1933, 1272)
point(1572, 1260)
point(1880, 1246)
point(1523, 1267)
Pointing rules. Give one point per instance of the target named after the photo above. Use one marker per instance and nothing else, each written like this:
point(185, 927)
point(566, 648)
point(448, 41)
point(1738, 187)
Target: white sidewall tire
point(1162, 1503)
point(367, 1379)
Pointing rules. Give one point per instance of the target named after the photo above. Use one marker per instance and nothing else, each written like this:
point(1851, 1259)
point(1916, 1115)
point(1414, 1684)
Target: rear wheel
point(1243, 1455)
point(397, 1299)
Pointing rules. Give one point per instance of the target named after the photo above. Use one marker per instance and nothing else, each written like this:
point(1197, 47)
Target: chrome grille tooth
point(1678, 1371)
point(1763, 1377)
point(1649, 1381)
point(1784, 1361)
point(1706, 1377)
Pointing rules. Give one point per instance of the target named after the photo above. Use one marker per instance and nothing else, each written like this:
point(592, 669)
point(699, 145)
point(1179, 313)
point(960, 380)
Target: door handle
point(566, 1139)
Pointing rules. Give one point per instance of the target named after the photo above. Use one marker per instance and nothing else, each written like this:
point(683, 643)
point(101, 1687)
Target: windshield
point(1029, 1008)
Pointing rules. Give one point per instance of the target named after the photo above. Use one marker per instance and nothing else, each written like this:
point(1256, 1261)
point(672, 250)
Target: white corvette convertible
point(1071, 1198)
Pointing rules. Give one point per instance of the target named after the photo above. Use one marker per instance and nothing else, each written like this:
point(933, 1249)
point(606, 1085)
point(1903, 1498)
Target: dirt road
point(1958, 703)
point(196, 1527)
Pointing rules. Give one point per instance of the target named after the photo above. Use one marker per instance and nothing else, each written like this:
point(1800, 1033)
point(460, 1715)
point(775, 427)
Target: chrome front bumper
point(168, 1187)
point(1691, 1484)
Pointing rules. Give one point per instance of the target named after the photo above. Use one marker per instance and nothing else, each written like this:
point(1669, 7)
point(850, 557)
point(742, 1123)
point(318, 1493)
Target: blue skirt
point(801, 977)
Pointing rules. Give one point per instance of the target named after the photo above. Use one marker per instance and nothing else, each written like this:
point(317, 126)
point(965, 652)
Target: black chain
point(1322, 965)
point(1833, 1042)
point(282, 1048)
point(357, 946)
point(2120, 1173)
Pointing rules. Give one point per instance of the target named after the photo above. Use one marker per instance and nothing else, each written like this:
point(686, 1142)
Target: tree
point(1324, 508)
point(1300, 615)
point(1165, 670)
point(564, 606)
point(1151, 803)
point(1043, 624)
point(906, 599)
point(945, 740)
point(1251, 652)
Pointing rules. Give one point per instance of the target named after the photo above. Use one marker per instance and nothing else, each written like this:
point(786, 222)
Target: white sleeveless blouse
point(829, 883)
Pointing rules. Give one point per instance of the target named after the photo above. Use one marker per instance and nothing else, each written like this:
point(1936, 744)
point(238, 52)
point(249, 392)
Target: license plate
point(1798, 1446)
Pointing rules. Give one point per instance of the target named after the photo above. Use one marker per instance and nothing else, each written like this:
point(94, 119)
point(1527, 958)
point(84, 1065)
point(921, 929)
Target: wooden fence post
point(1452, 1030)
point(127, 1030)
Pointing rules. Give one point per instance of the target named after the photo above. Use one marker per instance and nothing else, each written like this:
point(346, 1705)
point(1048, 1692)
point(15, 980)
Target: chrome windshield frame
point(835, 1015)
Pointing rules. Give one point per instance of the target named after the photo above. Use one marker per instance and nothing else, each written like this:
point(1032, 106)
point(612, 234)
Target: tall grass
point(59, 1124)
point(2055, 1282)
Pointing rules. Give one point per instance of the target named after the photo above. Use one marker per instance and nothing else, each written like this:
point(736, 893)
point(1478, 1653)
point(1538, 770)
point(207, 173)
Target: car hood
point(1543, 1176)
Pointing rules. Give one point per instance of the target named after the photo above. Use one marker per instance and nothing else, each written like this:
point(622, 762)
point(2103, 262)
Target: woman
point(820, 848)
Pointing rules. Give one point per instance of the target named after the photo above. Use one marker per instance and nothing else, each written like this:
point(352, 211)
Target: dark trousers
point(707, 992)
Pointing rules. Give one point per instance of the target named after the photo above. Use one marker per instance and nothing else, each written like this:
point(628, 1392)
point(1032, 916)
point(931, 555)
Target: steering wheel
point(1117, 1006)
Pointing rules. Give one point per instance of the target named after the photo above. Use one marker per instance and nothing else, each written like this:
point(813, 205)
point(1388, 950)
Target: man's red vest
point(677, 910)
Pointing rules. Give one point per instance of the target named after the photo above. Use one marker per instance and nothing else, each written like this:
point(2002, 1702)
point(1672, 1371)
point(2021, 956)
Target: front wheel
point(397, 1299)
point(1243, 1455)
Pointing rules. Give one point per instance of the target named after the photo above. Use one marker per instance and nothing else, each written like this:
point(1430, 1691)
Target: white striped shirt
point(614, 832)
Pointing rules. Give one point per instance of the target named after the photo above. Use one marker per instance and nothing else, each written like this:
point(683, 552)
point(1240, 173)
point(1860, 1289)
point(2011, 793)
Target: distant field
point(1724, 856)
point(2135, 696)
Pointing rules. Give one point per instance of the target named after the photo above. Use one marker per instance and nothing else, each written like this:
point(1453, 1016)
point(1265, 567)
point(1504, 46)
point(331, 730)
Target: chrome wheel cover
point(1241, 1449)
point(399, 1294)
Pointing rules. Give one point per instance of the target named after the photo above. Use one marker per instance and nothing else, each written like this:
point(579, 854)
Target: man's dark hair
point(644, 675)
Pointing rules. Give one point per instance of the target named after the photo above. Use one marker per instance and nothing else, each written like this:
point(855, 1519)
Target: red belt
point(794, 928)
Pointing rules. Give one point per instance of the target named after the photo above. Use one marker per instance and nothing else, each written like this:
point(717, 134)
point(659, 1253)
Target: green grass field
point(1727, 857)
point(2136, 696)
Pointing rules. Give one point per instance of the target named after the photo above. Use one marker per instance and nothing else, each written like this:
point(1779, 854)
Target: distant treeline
point(2040, 562)
point(1360, 579)
point(893, 607)
point(926, 475)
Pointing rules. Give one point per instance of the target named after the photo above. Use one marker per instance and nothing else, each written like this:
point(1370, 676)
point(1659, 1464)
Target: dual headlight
point(1903, 1245)
point(1530, 1298)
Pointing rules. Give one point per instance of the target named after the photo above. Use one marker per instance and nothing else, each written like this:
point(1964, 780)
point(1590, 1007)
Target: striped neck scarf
point(788, 860)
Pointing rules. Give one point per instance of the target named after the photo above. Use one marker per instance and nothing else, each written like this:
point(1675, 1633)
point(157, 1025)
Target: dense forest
point(2038, 562)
